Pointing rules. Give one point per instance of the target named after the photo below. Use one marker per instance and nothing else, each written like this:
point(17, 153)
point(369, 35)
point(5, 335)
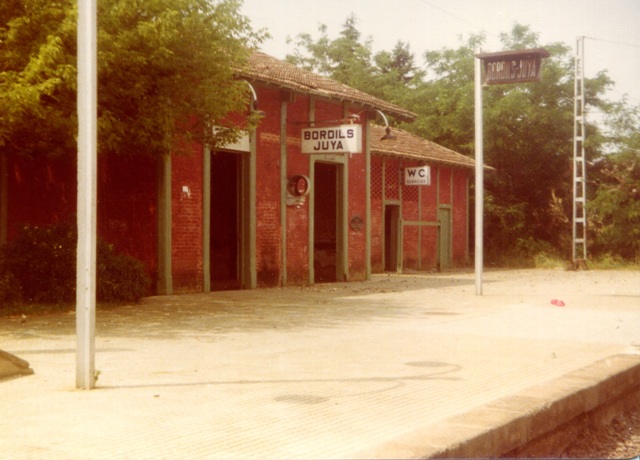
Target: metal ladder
point(579, 236)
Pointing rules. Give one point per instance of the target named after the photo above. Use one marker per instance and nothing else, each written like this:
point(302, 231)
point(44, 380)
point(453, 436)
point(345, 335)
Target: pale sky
point(612, 25)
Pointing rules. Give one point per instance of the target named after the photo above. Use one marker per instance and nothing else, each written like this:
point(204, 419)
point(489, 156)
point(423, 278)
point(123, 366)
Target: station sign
point(332, 139)
point(512, 66)
point(420, 175)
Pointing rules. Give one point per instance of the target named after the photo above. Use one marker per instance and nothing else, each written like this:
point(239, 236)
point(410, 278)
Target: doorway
point(328, 234)
point(226, 226)
point(391, 237)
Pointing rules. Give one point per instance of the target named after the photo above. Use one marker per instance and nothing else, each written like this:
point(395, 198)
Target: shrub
point(42, 261)
point(9, 288)
point(119, 277)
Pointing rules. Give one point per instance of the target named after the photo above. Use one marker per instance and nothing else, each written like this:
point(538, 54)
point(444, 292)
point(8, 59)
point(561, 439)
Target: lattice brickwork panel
point(410, 193)
point(391, 178)
point(376, 179)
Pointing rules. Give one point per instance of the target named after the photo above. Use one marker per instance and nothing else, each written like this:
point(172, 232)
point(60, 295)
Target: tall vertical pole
point(479, 140)
point(579, 233)
point(87, 194)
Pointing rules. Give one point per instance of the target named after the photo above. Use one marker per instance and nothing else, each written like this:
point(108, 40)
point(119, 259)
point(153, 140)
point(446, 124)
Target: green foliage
point(387, 75)
point(41, 261)
point(37, 77)
point(344, 59)
point(608, 261)
point(528, 131)
point(120, 278)
point(614, 207)
point(166, 72)
point(614, 213)
point(546, 261)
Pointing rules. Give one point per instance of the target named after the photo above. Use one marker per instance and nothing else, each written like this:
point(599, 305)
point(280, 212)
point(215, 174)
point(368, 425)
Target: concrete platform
point(402, 366)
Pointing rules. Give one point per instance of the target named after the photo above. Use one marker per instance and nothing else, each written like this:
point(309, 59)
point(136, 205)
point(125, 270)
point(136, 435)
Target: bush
point(119, 277)
point(9, 288)
point(42, 261)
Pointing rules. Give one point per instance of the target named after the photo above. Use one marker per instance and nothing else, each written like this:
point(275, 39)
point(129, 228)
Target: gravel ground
point(620, 439)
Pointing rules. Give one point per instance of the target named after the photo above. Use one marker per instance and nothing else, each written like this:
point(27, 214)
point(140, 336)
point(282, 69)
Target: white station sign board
point(332, 139)
point(417, 176)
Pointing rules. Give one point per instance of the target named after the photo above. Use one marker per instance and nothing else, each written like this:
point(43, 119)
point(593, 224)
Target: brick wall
point(268, 248)
point(297, 216)
point(425, 236)
point(377, 219)
point(127, 206)
point(41, 191)
point(187, 222)
point(460, 222)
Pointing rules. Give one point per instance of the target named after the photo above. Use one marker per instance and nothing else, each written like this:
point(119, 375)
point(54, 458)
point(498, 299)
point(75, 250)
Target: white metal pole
point(87, 194)
point(479, 176)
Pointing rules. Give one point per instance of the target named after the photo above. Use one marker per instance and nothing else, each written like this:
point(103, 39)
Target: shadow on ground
point(321, 305)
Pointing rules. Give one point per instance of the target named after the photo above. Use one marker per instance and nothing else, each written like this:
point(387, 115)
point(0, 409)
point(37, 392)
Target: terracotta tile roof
point(267, 69)
point(414, 147)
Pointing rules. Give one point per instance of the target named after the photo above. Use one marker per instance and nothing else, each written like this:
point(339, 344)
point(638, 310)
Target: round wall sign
point(299, 185)
point(357, 223)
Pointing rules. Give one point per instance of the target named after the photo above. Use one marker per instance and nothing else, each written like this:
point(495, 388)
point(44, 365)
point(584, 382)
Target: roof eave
point(388, 108)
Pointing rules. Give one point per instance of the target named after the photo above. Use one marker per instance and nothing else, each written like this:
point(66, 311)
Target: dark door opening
point(391, 237)
point(225, 221)
point(325, 236)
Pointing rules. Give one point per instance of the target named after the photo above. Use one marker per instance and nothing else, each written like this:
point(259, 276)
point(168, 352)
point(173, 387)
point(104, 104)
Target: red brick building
point(418, 224)
point(261, 212)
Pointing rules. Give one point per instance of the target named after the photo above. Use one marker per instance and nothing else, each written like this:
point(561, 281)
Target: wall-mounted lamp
point(388, 135)
point(254, 100)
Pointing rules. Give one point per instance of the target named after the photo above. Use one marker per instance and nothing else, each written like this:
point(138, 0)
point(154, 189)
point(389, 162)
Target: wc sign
point(420, 175)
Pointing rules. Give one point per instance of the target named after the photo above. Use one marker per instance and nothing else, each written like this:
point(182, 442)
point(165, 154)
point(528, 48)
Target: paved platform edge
point(539, 421)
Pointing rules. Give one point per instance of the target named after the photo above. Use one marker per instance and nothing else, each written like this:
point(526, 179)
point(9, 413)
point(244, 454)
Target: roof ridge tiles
point(268, 69)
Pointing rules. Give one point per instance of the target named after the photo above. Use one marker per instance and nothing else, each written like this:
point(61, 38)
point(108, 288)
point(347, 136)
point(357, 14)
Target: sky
point(612, 27)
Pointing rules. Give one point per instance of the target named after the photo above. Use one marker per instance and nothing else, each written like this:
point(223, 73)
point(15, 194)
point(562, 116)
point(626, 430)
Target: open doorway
point(225, 228)
point(391, 237)
point(327, 233)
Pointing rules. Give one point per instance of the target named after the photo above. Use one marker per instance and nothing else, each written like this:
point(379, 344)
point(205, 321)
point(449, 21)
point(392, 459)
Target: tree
point(37, 77)
point(614, 206)
point(528, 128)
point(344, 59)
point(166, 73)
point(349, 60)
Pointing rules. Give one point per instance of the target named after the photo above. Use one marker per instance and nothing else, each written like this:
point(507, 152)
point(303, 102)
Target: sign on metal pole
point(499, 68)
point(512, 66)
point(87, 194)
